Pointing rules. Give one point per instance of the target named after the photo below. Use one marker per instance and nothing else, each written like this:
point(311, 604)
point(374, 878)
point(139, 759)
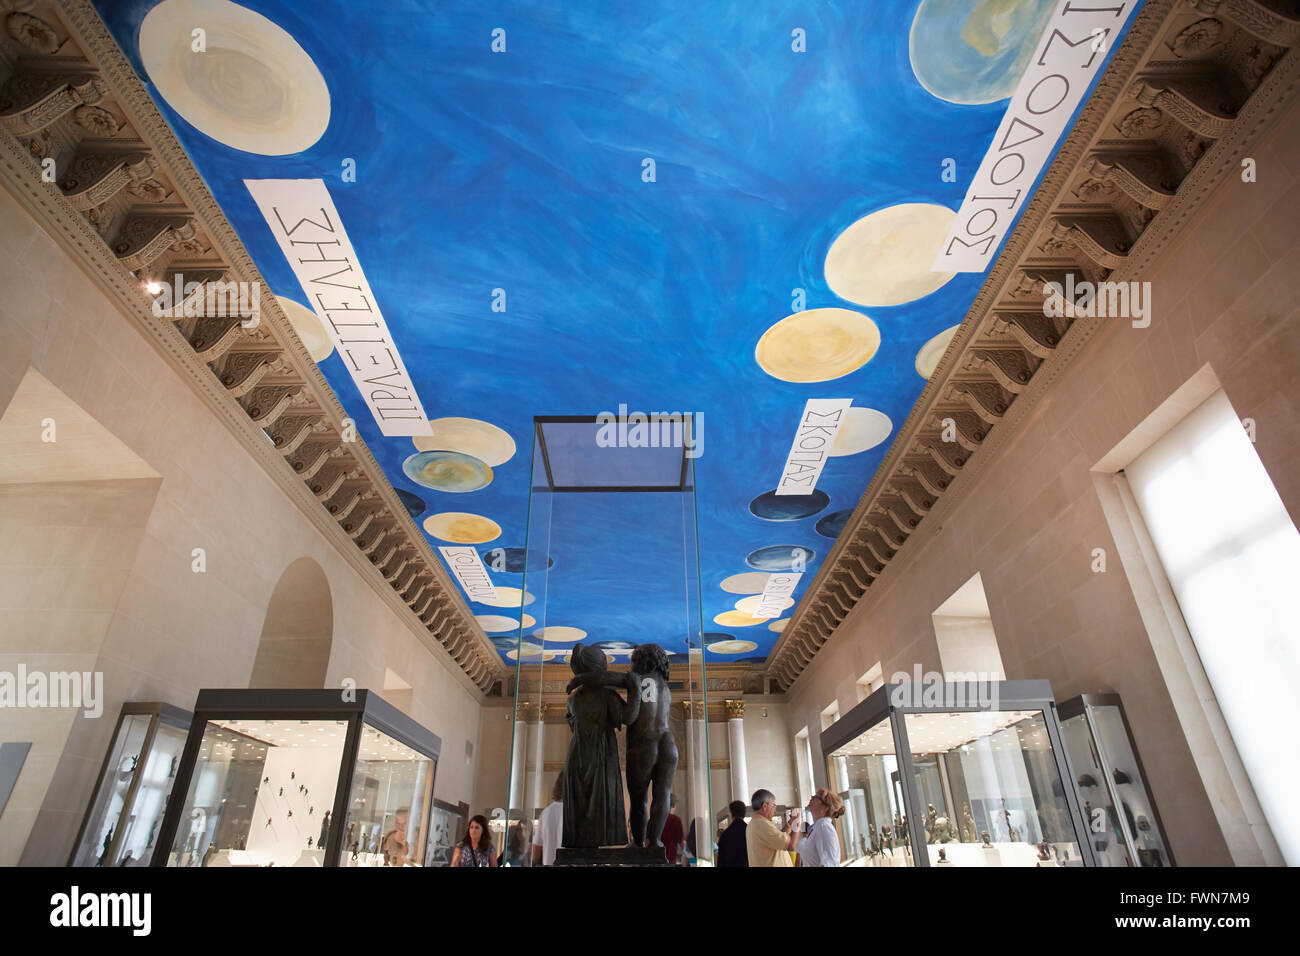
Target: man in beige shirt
point(766, 845)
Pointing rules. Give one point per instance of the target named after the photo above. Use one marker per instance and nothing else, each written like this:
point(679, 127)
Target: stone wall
point(1225, 294)
point(171, 630)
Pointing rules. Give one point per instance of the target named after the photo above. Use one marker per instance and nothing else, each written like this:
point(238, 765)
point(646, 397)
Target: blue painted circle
point(833, 523)
point(975, 53)
point(414, 503)
point(779, 557)
point(512, 561)
point(773, 507)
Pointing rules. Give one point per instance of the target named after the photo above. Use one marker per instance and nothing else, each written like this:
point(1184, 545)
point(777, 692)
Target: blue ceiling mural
point(715, 208)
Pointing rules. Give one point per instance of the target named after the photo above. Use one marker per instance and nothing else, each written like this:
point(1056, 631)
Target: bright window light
point(1232, 555)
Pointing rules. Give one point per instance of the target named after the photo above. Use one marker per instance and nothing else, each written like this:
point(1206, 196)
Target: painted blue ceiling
point(523, 171)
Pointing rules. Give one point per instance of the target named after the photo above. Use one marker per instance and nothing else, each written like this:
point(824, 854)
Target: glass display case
point(121, 824)
point(1123, 824)
point(956, 774)
point(576, 582)
point(447, 824)
point(301, 778)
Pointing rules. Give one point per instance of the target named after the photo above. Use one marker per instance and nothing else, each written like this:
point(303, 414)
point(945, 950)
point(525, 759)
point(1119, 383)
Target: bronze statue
point(593, 792)
point(651, 750)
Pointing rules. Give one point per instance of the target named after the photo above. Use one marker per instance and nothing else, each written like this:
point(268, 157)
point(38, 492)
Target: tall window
point(804, 765)
point(1232, 556)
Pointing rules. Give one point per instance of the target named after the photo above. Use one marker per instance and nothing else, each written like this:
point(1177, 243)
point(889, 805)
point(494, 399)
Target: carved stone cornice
point(1256, 18)
point(136, 211)
point(1169, 92)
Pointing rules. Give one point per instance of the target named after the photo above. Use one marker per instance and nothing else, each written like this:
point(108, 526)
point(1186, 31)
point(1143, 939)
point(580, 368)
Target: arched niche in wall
point(294, 650)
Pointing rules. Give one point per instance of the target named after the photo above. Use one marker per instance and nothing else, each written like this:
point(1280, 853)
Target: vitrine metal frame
point(539, 429)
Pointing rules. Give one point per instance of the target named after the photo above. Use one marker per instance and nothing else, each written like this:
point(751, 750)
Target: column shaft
point(739, 769)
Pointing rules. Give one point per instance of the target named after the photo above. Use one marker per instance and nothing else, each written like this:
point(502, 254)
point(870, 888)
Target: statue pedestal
point(611, 856)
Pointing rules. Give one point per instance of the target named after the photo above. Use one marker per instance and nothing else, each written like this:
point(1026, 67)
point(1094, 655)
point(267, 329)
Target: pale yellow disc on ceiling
point(499, 623)
point(750, 604)
point(778, 626)
point(460, 527)
point(253, 87)
point(885, 258)
point(510, 597)
point(470, 436)
point(927, 358)
point(862, 428)
point(560, 634)
point(732, 647)
point(748, 582)
point(309, 327)
point(530, 652)
point(817, 345)
point(738, 619)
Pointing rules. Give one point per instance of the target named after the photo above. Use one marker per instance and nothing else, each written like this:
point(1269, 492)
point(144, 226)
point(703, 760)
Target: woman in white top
point(821, 847)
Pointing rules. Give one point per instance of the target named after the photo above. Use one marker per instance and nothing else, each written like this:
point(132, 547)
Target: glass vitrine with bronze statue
point(601, 635)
